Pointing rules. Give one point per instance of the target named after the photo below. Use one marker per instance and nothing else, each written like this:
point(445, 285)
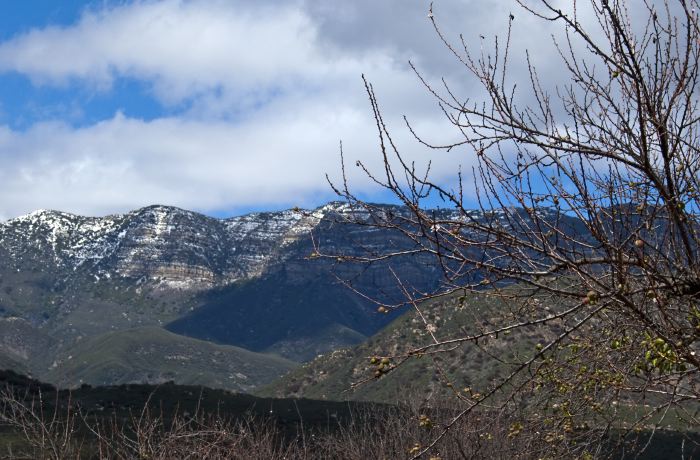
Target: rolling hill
point(332, 376)
point(153, 355)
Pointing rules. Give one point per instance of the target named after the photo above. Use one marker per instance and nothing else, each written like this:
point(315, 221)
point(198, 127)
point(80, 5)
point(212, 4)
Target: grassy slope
point(152, 354)
point(24, 347)
point(305, 348)
point(330, 376)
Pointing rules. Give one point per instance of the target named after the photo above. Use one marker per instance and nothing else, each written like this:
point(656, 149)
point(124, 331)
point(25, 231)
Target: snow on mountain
point(161, 243)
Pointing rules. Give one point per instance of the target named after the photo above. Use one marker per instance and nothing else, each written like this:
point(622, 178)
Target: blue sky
point(22, 16)
point(24, 103)
point(220, 106)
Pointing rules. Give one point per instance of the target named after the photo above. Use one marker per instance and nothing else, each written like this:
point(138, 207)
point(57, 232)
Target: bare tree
point(49, 434)
point(49, 431)
point(588, 200)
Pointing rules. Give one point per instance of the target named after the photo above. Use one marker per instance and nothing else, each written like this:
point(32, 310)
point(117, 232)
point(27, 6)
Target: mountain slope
point(153, 355)
point(331, 376)
point(291, 307)
point(276, 312)
point(24, 347)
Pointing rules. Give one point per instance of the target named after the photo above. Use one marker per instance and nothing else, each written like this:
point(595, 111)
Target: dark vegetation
point(176, 422)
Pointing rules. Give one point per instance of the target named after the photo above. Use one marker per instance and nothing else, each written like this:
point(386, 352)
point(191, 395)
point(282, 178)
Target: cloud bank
point(255, 98)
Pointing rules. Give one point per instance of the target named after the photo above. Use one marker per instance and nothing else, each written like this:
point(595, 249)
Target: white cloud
point(122, 163)
point(183, 47)
point(270, 88)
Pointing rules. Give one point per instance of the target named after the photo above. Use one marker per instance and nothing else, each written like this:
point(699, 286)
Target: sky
point(224, 106)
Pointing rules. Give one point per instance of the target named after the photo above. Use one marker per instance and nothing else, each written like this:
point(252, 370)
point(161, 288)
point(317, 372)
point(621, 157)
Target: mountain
point(165, 245)
point(300, 302)
point(251, 282)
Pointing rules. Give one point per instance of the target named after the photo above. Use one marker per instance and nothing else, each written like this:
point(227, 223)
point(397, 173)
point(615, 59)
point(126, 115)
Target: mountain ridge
point(253, 281)
point(71, 279)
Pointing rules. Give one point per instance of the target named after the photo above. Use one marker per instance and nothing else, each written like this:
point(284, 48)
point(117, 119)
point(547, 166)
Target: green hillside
point(331, 376)
point(24, 347)
point(154, 355)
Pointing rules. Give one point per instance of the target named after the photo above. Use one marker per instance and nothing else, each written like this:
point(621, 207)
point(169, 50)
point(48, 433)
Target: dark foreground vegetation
point(37, 421)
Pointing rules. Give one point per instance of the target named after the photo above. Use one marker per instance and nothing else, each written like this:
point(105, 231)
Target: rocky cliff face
point(160, 244)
